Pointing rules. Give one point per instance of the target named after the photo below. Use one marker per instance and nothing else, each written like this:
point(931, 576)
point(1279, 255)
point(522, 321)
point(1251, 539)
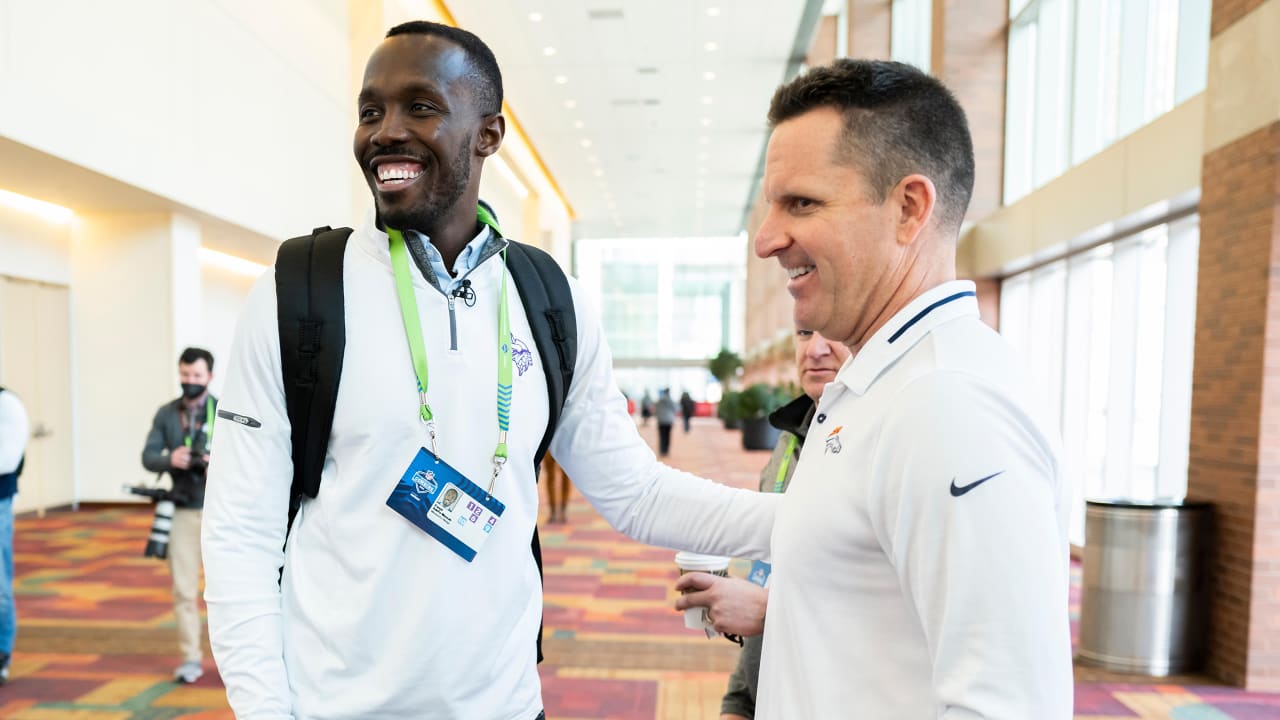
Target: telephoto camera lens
point(158, 541)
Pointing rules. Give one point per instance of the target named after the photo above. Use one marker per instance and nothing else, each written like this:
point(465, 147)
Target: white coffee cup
point(695, 618)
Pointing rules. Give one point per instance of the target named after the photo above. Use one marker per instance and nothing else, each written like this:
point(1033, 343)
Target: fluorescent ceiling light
point(39, 208)
point(231, 263)
point(509, 175)
point(535, 17)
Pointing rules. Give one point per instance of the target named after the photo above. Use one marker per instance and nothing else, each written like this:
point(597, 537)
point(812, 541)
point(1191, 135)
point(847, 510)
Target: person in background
point(646, 408)
point(817, 362)
point(665, 413)
point(15, 429)
point(557, 482)
point(179, 443)
point(687, 408)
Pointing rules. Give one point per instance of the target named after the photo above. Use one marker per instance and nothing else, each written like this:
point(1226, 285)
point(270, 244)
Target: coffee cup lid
point(699, 562)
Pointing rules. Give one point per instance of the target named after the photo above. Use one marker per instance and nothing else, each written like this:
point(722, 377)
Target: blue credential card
point(760, 572)
point(443, 502)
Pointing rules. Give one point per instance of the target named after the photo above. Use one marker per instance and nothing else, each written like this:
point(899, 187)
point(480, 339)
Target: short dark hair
point(897, 121)
point(485, 77)
point(192, 354)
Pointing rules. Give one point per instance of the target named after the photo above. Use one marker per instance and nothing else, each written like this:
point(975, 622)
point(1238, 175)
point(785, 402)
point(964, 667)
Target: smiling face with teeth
point(421, 140)
point(851, 261)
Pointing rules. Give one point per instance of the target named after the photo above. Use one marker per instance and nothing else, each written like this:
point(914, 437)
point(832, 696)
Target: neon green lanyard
point(208, 426)
point(781, 480)
point(418, 351)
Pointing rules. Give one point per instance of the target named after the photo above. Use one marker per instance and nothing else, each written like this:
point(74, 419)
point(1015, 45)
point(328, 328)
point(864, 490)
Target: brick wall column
point(970, 39)
point(869, 29)
point(1234, 458)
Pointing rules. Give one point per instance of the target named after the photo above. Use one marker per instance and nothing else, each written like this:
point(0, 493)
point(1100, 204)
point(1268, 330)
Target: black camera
point(198, 466)
point(158, 540)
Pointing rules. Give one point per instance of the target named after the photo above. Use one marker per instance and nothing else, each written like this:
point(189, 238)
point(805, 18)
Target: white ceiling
point(650, 113)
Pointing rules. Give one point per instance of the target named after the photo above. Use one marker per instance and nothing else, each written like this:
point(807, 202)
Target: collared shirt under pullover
point(920, 557)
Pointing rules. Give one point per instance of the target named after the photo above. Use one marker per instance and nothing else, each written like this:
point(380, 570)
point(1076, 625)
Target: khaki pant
point(184, 565)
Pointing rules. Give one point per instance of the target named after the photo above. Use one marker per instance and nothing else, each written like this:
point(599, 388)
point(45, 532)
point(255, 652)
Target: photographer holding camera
point(179, 442)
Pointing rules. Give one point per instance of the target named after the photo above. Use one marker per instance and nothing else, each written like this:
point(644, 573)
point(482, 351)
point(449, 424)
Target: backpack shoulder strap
point(548, 303)
point(312, 321)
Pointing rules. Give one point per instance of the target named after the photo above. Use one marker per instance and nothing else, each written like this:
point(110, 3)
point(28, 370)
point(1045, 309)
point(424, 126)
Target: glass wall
point(667, 306)
point(1107, 336)
point(1084, 73)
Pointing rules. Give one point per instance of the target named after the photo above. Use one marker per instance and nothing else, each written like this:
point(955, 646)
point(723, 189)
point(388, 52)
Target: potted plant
point(724, 367)
point(754, 405)
point(729, 410)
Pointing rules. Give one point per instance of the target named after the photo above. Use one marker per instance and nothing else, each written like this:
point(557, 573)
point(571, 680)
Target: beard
point(433, 208)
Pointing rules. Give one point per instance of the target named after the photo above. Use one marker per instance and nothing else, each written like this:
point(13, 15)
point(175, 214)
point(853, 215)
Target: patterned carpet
point(96, 638)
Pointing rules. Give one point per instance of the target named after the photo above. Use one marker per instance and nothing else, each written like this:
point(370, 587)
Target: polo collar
point(910, 325)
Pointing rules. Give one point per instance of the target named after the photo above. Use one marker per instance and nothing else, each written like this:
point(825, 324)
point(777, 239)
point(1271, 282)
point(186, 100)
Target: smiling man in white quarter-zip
point(920, 554)
point(407, 589)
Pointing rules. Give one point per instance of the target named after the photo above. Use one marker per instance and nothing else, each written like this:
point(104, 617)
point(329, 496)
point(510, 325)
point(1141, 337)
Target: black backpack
point(312, 324)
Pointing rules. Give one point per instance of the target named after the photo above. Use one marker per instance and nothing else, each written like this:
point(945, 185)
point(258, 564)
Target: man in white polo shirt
point(920, 559)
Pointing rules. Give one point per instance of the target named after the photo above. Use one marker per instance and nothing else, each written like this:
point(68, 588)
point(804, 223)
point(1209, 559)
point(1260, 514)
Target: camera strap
point(207, 427)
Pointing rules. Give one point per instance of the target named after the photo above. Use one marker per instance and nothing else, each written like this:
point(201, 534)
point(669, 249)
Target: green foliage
point(729, 406)
point(724, 366)
point(761, 399)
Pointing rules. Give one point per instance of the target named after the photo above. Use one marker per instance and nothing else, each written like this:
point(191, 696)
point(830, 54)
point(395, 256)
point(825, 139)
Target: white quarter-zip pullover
point(377, 619)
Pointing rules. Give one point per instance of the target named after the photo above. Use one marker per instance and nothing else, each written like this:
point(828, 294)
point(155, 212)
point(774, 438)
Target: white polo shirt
point(920, 554)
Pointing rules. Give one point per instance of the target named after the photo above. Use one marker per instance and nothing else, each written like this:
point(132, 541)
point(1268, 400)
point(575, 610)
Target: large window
point(1084, 73)
point(1107, 338)
point(911, 32)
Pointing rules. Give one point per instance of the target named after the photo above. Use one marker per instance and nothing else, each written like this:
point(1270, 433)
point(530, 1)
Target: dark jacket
point(166, 435)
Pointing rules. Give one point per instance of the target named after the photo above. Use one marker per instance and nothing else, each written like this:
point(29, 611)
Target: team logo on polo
point(425, 481)
point(520, 355)
point(833, 441)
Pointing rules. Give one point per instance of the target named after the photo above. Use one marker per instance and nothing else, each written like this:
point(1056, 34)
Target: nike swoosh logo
point(957, 491)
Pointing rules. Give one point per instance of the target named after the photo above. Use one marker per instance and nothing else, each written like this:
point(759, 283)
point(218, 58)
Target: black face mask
point(191, 391)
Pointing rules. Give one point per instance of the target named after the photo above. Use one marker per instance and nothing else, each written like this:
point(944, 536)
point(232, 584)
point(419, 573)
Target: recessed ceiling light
point(707, 99)
point(586, 143)
point(578, 124)
point(711, 47)
point(535, 17)
point(598, 172)
point(561, 79)
point(713, 11)
point(708, 75)
point(571, 104)
point(548, 51)
point(706, 122)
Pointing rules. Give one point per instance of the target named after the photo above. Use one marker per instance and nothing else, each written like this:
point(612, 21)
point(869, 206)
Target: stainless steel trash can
point(1145, 595)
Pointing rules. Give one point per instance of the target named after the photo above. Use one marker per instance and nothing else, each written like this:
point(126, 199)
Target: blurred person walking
point(15, 430)
point(665, 413)
point(687, 408)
